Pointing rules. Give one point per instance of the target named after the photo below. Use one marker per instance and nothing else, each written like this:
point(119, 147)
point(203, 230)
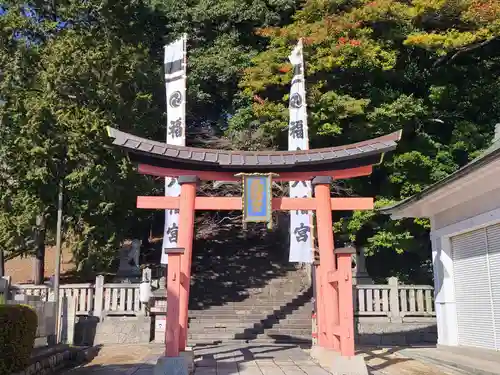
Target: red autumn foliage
point(307, 41)
point(284, 68)
point(355, 42)
point(485, 10)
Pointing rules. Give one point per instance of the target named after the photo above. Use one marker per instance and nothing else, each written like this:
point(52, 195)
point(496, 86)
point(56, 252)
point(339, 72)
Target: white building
point(464, 210)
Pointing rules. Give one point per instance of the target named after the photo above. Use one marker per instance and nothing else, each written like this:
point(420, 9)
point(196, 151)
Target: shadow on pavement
point(378, 359)
point(112, 369)
point(210, 359)
point(254, 359)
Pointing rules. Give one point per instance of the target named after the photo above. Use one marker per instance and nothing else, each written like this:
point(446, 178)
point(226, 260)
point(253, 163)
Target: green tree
point(373, 67)
point(67, 73)
point(71, 68)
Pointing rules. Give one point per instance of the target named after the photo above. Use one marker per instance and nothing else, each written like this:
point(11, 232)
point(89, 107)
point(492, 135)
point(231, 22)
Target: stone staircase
point(277, 312)
point(243, 287)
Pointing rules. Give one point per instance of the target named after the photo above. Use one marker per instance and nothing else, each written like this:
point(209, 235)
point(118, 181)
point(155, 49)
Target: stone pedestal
point(188, 355)
point(359, 274)
point(159, 310)
point(160, 326)
point(171, 366)
point(128, 269)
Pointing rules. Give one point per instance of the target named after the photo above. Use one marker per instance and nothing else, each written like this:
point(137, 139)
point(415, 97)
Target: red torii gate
point(333, 277)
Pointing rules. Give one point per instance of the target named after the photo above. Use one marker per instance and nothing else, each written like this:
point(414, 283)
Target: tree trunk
point(2, 263)
point(145, 236)
point(39, 262)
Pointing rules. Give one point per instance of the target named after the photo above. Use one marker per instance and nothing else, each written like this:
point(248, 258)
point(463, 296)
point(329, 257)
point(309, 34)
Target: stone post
point(360, 275)
point(67, 317)
point(162, 283)
point(71, 319)
point(99, 296)
point(62, 316)
point(394, 305)
point(5, 287)
point(146, 274)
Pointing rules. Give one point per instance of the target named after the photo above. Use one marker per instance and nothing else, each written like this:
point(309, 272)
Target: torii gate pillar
point(333, 279)
point(327, 301)
point(185, 240)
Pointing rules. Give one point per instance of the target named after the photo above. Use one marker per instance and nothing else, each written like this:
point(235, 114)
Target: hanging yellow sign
point(257, 198)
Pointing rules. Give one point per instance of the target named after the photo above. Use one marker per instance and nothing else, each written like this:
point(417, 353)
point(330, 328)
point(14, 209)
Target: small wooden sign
point(257, 198)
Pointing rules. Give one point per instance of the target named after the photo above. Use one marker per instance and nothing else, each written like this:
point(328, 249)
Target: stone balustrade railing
point(389, 300)
point(394, 300)
point(95, 299)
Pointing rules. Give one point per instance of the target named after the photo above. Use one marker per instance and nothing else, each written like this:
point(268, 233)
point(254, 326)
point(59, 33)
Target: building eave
point(415, 206)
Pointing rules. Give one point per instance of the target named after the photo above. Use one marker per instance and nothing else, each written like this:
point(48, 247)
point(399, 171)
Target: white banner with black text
point(301, 239)
point(175, 86)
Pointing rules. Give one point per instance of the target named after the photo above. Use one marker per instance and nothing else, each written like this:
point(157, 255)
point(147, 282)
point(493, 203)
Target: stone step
point(262, 308)
point(299, 282)
point(278, 291)
point(243, 335)
point(249, 324)
point(306, 341)
point(239, 325)
point(262, 311)
point(262, 301)
point(249, 328)
point(256, 318)
point(295, 298)
point(252, 331)
point(250, 317)
point(283, 288)
point(250, 311)
point(262, 338)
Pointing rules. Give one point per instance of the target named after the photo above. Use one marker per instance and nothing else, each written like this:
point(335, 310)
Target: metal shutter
point(473, 298)
point(493, 239)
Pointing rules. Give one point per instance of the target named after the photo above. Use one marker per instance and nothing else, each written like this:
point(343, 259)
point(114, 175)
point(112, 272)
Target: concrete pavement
point(246, 359)
point(255, 359)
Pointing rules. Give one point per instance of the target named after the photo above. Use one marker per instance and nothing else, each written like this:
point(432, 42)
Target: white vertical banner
point(175, 86)
point(301, 245)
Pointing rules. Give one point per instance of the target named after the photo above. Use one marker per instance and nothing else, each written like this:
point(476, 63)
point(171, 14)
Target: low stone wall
point(406, 331)
point(113, 330)
point(55, 359)
point(369, 331)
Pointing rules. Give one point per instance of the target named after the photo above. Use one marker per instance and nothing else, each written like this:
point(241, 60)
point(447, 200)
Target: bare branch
point(448, 58)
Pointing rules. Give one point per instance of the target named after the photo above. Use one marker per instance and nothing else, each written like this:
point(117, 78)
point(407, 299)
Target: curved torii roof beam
point(170, 158)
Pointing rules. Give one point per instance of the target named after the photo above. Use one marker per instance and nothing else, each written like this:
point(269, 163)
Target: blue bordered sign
point(257, 198)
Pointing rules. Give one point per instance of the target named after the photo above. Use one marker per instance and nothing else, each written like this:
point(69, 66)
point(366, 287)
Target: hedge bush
point(18, 324)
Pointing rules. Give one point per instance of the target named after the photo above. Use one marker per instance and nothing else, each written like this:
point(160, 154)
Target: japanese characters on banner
point(301, 245)
point(175, 85)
